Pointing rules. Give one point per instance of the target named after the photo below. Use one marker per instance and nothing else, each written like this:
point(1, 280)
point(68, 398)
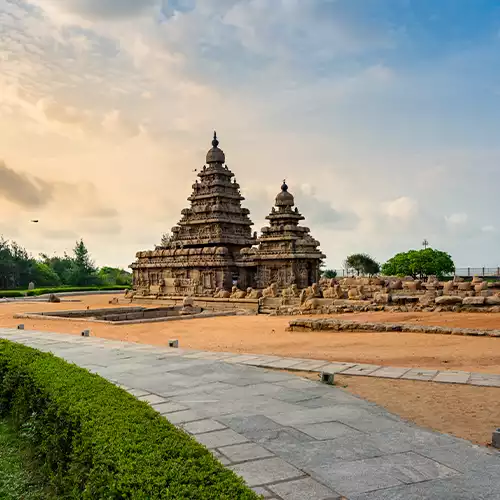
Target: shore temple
point(212, 247)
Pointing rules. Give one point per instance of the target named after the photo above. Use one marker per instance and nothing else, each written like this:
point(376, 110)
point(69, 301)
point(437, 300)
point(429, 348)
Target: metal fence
point(463, 272)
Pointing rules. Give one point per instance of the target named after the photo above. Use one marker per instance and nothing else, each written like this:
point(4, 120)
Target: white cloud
point(458, 219)
point(403, 208)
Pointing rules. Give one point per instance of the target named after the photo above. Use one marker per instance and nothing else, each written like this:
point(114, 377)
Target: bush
point(60, 289)
point(11, 293)
point(95, 440)
point(44, 291)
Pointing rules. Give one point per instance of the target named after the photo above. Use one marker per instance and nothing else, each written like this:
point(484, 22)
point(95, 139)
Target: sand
point(267, 335)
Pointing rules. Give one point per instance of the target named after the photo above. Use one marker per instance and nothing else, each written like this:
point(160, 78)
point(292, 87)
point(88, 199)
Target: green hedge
point(43, 291)
point(95, 440)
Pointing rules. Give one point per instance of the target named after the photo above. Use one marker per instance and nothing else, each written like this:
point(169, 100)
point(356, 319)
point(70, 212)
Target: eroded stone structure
point(287, 254)
point(212, 248)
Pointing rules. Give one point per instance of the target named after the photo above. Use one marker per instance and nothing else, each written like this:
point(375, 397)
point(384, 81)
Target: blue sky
point(383, 116)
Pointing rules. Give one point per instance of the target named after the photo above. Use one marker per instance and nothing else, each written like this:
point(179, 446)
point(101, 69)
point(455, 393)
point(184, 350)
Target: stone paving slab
point(419, 374)
point(388, 372)
point(292, 438)
point(452, 377)
point(361, 369)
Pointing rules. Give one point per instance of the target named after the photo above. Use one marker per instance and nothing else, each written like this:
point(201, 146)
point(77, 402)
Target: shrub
point(11, 293)
point(94, 440)
point(60, 289)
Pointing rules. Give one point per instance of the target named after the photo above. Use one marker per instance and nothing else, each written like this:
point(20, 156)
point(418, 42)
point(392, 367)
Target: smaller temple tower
point(287, 254)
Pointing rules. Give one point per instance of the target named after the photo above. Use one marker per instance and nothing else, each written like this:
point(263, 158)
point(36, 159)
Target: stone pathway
point(289, 438)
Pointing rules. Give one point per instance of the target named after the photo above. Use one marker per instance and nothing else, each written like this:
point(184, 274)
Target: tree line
point(415, 263)
point(18, 269)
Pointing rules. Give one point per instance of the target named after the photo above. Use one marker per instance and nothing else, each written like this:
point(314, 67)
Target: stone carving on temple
point(212, 248)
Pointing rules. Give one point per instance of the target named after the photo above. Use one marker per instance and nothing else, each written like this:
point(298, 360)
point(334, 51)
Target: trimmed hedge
point(95, 440)
point(61, 289)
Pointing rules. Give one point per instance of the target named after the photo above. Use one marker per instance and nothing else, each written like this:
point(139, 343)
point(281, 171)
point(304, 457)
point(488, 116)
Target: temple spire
point(215, 142)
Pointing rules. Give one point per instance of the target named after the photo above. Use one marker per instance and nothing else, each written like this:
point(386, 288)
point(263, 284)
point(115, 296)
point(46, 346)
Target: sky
point(382, 115)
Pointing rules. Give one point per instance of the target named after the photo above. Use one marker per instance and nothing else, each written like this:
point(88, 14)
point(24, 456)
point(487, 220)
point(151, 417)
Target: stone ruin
point(376, 294)
point(213, 253)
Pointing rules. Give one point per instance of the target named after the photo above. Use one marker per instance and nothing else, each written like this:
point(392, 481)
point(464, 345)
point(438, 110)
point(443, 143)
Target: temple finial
point(284, 187)
point(215, 142)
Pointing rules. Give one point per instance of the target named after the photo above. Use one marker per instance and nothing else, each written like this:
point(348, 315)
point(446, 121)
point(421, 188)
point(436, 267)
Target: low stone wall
point(336, 325)
point(205, 303)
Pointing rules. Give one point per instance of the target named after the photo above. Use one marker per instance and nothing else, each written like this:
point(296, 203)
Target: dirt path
point(267, 335)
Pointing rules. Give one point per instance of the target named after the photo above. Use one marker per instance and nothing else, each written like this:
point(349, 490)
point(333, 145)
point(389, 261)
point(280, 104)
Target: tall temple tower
point(205, 245)
point(287, 253)
point(215, 216)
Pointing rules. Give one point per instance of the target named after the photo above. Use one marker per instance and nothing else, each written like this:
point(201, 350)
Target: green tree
point(329, 274)
point(362, 263)
point(84, 271)
point(44, 275)
point(63, 266)
point(419, 264)
point(114, 276)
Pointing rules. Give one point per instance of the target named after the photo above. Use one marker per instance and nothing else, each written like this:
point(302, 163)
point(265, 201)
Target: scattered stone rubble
point(337, 325)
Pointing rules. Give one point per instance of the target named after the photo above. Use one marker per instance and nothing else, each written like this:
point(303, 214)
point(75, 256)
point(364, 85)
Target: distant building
point(212, 247)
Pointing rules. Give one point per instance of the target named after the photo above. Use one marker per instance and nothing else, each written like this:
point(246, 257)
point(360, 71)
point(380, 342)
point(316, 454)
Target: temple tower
point(287, 254)
point(215, 217)
point(206, 242)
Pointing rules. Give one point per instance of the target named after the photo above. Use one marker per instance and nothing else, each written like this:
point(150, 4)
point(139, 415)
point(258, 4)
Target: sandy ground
point(267, 335)
point(468, 412)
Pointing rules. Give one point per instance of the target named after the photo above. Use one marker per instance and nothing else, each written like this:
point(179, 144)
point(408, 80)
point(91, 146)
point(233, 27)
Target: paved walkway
point(289, 438)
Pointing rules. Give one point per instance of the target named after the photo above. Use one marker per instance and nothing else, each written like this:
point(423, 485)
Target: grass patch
point(19, 477)
point(94, 440)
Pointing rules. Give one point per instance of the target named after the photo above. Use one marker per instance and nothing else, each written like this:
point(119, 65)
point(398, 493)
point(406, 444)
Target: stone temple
point(212, 248)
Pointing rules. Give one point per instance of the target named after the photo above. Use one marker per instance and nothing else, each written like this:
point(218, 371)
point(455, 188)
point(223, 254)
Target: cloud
point(458, 219)
point(101, 9)
point(65, 114)
point(403, 208)
point(20, 189)
point(60, 234)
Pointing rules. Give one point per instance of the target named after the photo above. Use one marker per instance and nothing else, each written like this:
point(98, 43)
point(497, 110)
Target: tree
point(63, 266)
point(330, 274)
point(84, 271)
point(44, 275)
point(420, 264)
point(362, 263)
point(114, 276)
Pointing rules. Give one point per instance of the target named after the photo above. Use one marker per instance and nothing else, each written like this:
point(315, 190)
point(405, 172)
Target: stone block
point(182, 417)
point(202, 426)
point(361, 370)
point(152, 399)
point(245, 451)
point(328, 430)
point(419, 374)
point(452, 377)
point(448, 300)
point(474, 301)
point(168, 407)
point(269, 470)
point(218, 439)
point(495, 441)
point(327, 378)
point(137, 392)
point(304, 489)
point(389, 372)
